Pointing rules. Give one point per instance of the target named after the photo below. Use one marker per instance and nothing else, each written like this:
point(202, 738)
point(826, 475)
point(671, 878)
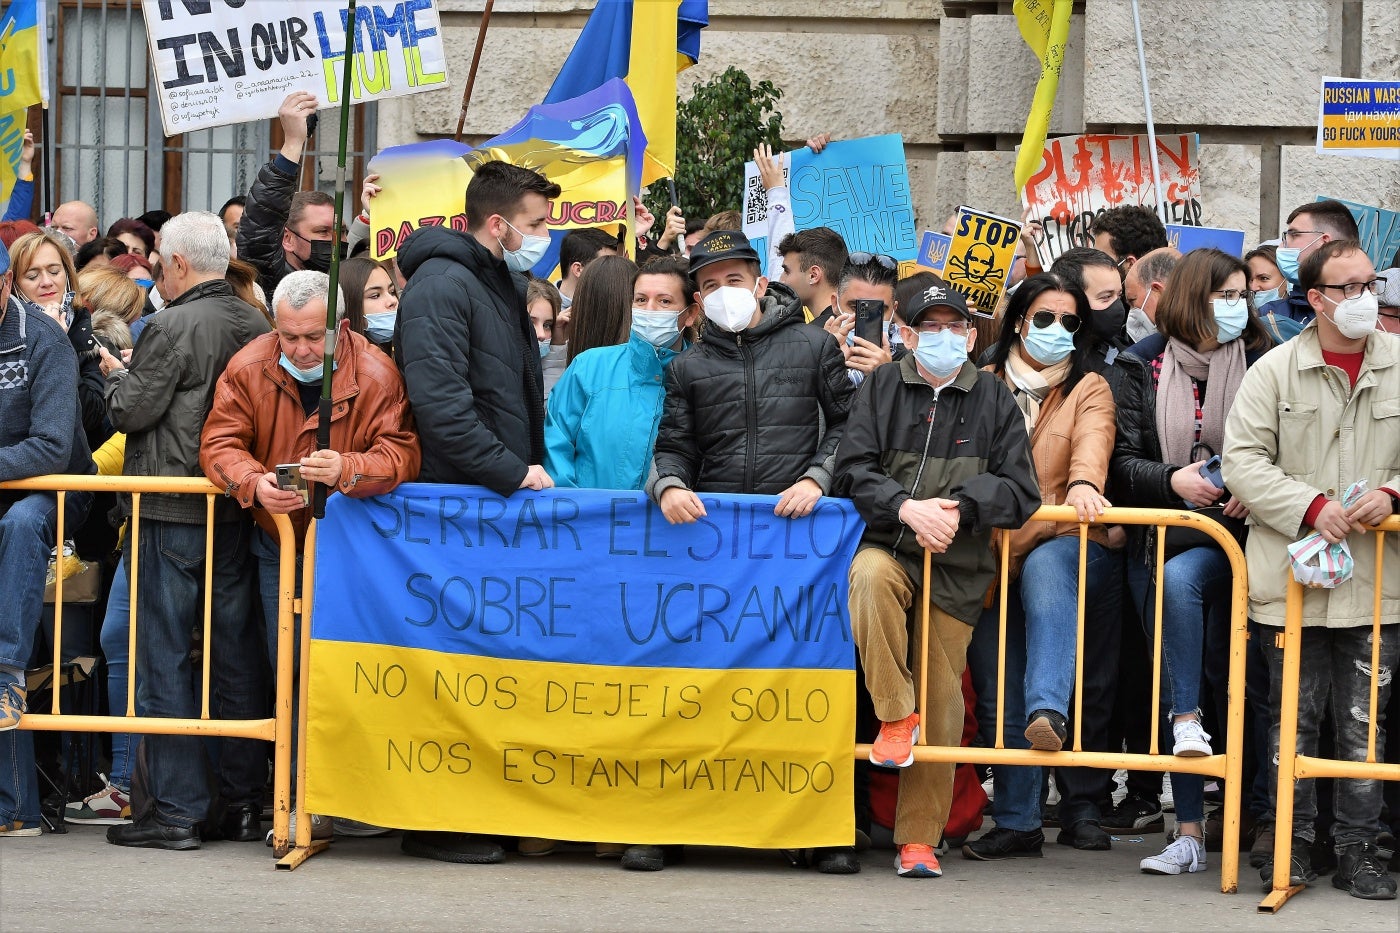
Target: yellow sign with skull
point(979, 260)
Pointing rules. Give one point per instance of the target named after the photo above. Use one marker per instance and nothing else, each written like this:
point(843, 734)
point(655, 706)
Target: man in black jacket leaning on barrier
point(471, 365)
point(935, 455)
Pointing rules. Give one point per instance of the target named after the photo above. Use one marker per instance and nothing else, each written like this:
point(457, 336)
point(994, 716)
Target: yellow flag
point(651, 75)
point(1033, 19)
point(1029, 16)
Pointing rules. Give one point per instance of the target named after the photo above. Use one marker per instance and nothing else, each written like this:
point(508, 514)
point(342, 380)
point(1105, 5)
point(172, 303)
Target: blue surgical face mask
point(1230, 318)
point(892, 330)
point(1048, 345)
point(530, 251)
point(1263, 298)
point(147, 284)
point(544, 348)
point(941, 353)
point(1287, 258)
point(306, 376)
point(658, 328)
point(379, 326)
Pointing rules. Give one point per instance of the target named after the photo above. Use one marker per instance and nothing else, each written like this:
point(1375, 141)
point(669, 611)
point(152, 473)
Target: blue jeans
point(1195, 586)
point(1041, 628)
point(27, 530)
point(266, 551)
point(28, 526)
point(116, 628)
point(170, 605)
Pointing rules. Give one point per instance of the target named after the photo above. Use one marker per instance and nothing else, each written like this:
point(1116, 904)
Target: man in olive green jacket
point(1311, 418)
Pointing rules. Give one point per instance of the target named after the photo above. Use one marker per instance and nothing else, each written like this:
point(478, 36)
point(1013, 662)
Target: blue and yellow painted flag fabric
point(624, 39)
point(22, 79)
point(591, 146)
point(567, 665)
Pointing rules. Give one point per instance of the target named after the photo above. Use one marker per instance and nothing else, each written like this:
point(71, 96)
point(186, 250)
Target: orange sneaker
point(917, 861)
point(894, 746)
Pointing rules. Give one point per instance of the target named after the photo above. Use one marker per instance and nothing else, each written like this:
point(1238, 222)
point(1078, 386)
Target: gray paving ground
point(78, 882)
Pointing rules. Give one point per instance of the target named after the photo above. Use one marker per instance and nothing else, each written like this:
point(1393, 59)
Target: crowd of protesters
point(1259, 391)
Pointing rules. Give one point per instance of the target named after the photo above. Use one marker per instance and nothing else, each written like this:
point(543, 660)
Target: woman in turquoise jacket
point(601, 421)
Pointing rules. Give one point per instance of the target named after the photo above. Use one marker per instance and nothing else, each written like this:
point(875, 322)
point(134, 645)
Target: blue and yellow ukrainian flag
point(627, 39)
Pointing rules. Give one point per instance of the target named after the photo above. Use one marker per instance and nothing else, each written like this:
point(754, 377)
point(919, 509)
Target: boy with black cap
point(758, 403)
point(935, 456)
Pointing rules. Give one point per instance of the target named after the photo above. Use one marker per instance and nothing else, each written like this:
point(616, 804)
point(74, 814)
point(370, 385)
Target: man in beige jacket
point(1312, 417)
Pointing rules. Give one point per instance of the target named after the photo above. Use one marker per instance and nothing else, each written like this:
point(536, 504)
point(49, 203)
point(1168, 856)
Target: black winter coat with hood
point(470, 362)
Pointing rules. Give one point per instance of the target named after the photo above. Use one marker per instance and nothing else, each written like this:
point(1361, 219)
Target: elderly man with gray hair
point(160, 401)
point(265, 414)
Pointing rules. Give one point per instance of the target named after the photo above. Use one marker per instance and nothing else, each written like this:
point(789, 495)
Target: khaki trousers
point(886, 611)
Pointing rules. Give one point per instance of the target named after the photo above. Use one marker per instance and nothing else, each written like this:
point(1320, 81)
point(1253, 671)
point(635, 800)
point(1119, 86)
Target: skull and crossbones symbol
point(978, 266)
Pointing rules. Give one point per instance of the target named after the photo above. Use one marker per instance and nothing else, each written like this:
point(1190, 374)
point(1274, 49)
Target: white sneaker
point(1183, 854)
point(1191, 740)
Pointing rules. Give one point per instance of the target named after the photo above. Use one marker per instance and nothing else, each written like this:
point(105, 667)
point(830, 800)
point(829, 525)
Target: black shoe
point(1299, 866)
point(644, 858)
point(1213, 830)
point(459, 848)
point(1262, 849)
point(1135, 815)
point(1361, 873)
point(836, 860)
point(1045, 730)
point(242, 823)
point(997, 844)
point(1086, 835)
point(152, 834)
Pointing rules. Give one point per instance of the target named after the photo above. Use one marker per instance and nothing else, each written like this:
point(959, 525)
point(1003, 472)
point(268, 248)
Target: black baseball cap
point(720, 246)
point(935, 296)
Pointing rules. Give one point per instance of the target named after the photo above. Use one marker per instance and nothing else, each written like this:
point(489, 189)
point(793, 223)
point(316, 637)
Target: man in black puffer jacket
point(757, 406)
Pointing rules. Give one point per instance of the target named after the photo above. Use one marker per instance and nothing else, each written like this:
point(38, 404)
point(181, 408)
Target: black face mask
point(320, 258)
point(1109, 322)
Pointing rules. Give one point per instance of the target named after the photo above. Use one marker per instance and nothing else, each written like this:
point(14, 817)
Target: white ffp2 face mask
point(730, 307)
point(1355, 317)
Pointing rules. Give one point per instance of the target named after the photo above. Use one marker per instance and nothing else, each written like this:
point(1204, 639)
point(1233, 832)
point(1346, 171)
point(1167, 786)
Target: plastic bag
point(1319, 564)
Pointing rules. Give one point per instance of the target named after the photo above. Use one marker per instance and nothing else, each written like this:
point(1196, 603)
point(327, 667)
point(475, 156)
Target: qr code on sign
point(756, 210)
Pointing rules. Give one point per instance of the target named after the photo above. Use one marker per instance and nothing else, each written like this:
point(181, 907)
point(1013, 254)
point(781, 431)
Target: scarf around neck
point(1222, 369)
point(1030, 387)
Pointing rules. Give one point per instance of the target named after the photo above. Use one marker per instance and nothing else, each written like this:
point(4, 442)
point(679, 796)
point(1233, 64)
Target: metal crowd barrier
point(1303, 767)
point(292, 852)
point(1227, 767)
point(276, 729)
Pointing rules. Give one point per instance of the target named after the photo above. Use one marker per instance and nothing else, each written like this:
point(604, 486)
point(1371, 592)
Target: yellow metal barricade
point(1226, 767)
point(1302, 767)
point(276, 729)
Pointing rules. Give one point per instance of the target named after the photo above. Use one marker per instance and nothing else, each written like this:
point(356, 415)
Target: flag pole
point(1147, 111)
point(471, 74)
point(323, 426)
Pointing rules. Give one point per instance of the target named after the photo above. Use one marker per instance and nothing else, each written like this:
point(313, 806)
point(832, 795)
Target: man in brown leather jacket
point(264, 414)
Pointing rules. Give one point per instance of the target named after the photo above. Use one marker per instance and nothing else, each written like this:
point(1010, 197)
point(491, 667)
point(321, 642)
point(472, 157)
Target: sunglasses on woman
point(1043, 319)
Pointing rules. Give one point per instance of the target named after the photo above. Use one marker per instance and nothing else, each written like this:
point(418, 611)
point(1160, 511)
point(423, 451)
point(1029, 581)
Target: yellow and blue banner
point(1044, 24)
point(591, 146)
point(23, 80)
point(633, 40)
point(568, 665)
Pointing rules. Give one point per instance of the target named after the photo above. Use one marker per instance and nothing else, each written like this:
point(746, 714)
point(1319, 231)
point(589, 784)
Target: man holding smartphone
point(865, 300)
point(259, 441)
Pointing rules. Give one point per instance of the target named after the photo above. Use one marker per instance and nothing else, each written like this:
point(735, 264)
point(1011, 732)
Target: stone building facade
point(955, 78)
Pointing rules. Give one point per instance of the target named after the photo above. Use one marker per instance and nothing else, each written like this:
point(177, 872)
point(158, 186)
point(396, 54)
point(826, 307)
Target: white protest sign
point(231, 61)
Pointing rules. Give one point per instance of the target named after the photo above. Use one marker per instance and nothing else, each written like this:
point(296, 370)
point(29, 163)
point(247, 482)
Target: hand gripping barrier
point(1301, 767)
